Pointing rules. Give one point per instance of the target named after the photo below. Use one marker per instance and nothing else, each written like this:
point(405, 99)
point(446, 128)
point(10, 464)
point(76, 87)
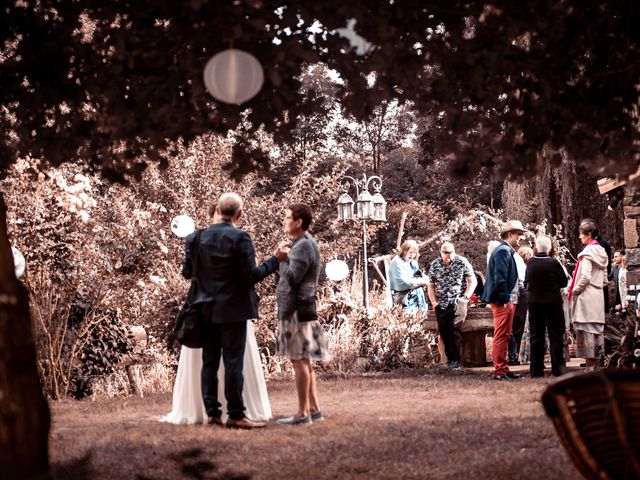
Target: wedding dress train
point(188, 407)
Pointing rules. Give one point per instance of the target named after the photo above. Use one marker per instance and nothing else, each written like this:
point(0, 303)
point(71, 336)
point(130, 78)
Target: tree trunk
point(24, 412)
point(563, 196)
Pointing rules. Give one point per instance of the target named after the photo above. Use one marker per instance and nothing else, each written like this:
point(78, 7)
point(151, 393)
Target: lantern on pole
point(364, 205)
point(379, 207)
point(345, 207)
point(233, 76)
point(368, 207)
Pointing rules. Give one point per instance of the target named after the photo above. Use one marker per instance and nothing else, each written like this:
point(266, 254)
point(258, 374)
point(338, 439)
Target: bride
point(188, 406)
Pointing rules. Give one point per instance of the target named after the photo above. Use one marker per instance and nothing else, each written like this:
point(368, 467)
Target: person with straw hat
point(501, 291)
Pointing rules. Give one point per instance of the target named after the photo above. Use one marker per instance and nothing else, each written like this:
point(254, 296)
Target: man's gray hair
point(543, 244)
point(229, 204)
point(448, 247)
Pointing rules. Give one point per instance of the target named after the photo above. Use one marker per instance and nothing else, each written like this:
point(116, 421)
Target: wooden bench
point(478, 323)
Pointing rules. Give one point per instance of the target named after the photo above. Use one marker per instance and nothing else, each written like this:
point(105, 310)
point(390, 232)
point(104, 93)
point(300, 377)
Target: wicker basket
point(597, 417)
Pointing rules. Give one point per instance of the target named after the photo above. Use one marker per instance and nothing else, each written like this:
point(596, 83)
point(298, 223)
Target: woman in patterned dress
point(300, 335)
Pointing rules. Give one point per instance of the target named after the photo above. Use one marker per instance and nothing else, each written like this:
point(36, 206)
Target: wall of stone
point(631, 208)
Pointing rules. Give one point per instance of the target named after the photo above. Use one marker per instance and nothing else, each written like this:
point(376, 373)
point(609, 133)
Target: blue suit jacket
point(227, 272)
point(502, 275)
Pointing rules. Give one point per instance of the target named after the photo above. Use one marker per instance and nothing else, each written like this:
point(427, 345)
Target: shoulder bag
point(188, 327)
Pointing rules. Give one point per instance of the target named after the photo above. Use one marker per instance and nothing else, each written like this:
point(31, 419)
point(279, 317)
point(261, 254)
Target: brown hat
point(513, 226)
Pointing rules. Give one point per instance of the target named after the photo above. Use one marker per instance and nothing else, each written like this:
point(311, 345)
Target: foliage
point(116, 84)
point(78, 338)
point(77, 230)
point(389, 127)
point(563, 196)
point(621, 330)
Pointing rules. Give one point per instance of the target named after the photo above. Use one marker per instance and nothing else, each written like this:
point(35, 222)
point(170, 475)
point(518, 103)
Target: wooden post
point(24, 412)
point(403, 219)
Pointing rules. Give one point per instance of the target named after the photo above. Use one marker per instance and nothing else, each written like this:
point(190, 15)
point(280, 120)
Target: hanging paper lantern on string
point(233, 76)
point(337, 270)
point(18, 262)
point(182, 226)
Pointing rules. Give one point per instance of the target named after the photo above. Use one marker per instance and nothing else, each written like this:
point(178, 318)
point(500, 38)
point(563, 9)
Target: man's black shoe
point(511, 363)
point(506, 376)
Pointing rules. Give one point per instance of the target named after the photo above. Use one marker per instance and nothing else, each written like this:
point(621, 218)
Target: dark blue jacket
point(227, 272)
point(502, 275)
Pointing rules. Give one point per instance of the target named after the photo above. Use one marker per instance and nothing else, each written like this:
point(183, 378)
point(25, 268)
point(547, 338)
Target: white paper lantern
point(336, 270)
point(182, 225)
point(18, 262)
point(233, 76)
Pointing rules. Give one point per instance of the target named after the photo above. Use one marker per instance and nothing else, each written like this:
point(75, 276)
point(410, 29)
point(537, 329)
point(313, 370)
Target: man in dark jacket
point(501, 291)
point(226, 275)
point(544, 278)
point(615, 276)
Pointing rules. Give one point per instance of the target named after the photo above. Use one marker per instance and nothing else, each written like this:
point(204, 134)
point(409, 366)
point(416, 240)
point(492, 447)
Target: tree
point(311, 133)
point(114, 84)
point(382, 132)
point(563, 197)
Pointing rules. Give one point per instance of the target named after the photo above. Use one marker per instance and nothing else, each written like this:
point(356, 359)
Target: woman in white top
point(188, 406)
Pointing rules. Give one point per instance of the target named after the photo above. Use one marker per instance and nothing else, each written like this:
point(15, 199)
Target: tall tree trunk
point(563, 196)
point(24, 412)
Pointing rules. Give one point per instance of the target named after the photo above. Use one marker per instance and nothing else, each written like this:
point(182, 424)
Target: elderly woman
point(300, 335)
point(406, 280)
point(544, 280)
point(586, 302)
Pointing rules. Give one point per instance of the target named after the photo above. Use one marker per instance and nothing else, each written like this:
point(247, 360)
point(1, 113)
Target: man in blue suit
point(226, 275)
point(501, 290)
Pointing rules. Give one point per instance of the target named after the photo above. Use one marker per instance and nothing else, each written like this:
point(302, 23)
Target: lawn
point(434, 424)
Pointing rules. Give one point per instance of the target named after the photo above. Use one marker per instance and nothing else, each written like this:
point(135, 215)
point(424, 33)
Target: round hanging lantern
point(18, 262)
point(233, 76)
point(337, 270)
point(182, 226)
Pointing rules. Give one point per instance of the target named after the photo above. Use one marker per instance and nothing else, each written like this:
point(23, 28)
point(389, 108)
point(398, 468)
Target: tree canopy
point(115, 83)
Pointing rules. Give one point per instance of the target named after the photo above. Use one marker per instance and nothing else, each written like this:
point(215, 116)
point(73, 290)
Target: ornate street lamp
point(368, 207)
point(345, 207)
point(379, 207)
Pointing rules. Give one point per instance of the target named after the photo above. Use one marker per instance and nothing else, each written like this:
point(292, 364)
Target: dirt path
point(437, 424)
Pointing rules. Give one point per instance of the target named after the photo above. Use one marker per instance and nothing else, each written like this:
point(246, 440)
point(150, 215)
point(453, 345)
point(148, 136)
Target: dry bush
point(78, 338)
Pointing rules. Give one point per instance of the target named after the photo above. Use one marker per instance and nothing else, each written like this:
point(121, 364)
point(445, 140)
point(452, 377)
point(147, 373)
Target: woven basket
point(597, 417)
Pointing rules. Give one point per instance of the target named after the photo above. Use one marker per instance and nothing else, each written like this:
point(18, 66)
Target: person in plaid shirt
point(451, 284)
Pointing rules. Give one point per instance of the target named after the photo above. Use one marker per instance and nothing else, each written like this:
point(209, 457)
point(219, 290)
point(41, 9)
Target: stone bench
point(478, 323)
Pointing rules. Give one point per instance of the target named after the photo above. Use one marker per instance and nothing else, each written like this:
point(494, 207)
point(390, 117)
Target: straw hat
point(513, 226)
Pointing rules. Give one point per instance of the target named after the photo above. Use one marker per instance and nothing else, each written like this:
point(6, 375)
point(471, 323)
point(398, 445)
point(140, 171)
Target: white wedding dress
point(188, 407)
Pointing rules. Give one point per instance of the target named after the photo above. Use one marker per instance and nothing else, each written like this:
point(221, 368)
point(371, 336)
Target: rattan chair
point(597, 416)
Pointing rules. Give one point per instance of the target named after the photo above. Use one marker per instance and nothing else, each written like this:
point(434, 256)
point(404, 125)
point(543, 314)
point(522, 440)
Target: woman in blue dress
point(406, 279)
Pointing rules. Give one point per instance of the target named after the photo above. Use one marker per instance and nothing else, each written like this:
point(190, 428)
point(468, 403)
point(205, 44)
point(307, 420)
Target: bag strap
point(195, 249)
